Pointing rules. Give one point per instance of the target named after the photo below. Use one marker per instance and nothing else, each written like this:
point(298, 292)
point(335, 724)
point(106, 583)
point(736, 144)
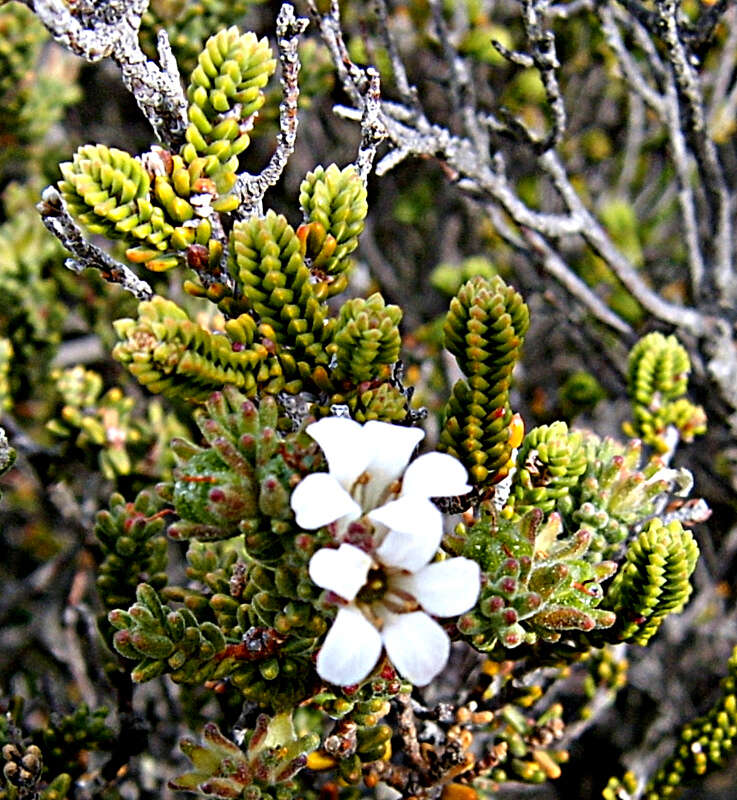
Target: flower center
point(380, 592)
point(371, 492)
point(375, 587)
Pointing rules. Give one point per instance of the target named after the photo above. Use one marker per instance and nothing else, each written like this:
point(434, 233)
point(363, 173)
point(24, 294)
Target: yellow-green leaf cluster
point(484, 330)
point(654, 580)
point(657, 381)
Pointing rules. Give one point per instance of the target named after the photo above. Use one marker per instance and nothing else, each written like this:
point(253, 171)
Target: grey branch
point(58, 220)
point(407, 91)
point(593, 232)
point(251, 188)
point(554, 265)
point(542, 47)
point(691, 96)
point(373, 131)
point(109, 28)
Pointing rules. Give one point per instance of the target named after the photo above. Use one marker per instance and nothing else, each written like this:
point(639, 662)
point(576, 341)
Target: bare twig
point(96, 30)
point(542, 48)
point(351, 77)
point(372, 129)
point(631, 68)
point(713, 179)
point(251, 188)
point(554, 265)
point(58, 220)
point(407, 91)
point(599, 240)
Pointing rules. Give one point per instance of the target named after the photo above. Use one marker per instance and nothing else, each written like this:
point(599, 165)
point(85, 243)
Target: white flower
point(366, 463)
point(389, 607)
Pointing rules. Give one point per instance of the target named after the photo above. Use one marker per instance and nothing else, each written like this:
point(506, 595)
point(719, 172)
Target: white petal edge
point(345, 446)
point(415, 530)
point(391, 448)
point(350, 650)
point(319, 499)
point(342, 571)
point(435, 475)
point(416, 645)
point(445, 588)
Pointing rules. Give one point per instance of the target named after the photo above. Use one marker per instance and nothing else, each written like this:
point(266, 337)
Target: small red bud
point(198, 257)
point(496, 603)
point(509, 616)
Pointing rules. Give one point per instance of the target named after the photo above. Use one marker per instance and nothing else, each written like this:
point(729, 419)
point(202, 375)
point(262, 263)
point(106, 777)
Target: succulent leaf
point(169, 353)
point(107, 189)
point(274, 279)
point(704, 744)
point(241, 482)
point(367, 339)
point(224, 94)
point(538, 583)
point(334, 205)
point(657, 379)
point(163, 640)
point(484, 330)
point(131, 538)
point(259, 770)
point(550, 462)
point(654, 580)
point(616, 492)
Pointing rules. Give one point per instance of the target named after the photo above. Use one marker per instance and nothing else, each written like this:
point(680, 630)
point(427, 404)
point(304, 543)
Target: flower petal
point(416, 528)
point(346, 448)
point(416, 645)
point(391, 448)
point(435, 475)
point(343, 571)
point(445, 588)
point(350, 650)
point(408, 552)
point(319, 499)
